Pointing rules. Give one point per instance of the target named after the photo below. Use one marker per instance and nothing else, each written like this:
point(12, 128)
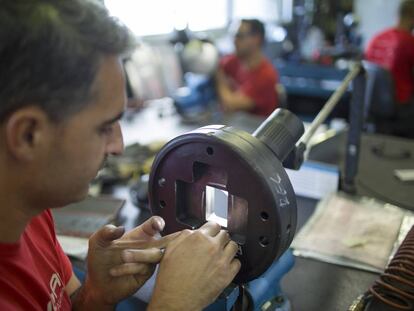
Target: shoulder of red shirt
point(393, 31)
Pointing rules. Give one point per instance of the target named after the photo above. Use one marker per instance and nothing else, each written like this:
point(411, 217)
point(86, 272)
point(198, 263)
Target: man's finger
point(144, 244)
point(230, 250)
point(223, 237)
point(153, 225)
point(150, 228)
point(235, 266)
point(152, 255)
point(210, 228)
point(165, 240)
point(131, 269)
point(104, 236)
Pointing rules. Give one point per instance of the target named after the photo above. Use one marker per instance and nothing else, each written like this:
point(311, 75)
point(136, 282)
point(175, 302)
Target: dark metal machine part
point(261, 201)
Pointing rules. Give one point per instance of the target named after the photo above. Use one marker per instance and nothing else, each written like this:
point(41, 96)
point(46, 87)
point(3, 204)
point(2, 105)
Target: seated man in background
point(393, 49)
point(247, 80)
point(62, 93)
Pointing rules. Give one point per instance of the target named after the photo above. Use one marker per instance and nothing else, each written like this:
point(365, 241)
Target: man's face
point(245, 41)
point(79, 146)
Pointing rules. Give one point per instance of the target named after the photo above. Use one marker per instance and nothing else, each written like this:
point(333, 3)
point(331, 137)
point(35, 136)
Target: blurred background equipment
point(200, 57)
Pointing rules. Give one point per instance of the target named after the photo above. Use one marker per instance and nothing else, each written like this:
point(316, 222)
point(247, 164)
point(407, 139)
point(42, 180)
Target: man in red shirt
point(394, 50)
point(61, 97)
point(247, 80)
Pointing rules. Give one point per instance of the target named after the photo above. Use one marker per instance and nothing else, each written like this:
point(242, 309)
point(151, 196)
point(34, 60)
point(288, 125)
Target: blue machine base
point(264, 292)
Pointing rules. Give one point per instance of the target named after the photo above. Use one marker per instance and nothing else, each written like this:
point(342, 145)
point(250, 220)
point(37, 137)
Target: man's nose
point(115, 144)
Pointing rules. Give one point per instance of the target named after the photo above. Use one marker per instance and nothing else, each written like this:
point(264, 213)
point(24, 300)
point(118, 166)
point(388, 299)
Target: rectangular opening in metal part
point(217, 202)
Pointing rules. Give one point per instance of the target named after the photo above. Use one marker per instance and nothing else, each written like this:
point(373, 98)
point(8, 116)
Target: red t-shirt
point(394, 50)
point(34, 271)
point(258, 83)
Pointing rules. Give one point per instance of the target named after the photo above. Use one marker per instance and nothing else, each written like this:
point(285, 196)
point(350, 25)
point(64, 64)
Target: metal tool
point(236, 179)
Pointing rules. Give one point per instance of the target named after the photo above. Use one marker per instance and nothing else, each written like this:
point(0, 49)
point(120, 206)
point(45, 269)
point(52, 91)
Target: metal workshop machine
point(238, 180)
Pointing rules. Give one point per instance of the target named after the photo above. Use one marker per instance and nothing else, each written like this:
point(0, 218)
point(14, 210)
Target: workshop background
point(352, 179)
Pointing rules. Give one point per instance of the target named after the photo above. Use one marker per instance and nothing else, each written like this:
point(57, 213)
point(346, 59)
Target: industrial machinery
point(238, 180)
point(226, 175)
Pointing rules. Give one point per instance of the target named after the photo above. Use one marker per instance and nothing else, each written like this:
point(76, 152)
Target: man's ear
point(26, 131)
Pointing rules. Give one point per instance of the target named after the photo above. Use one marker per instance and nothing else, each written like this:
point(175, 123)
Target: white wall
point(375, 15)
point(266, 10)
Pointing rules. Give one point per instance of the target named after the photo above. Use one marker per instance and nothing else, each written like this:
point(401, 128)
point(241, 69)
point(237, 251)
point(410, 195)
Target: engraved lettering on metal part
point(283, 201)
point(278, 179)
point(279, 186)
point(280, 190)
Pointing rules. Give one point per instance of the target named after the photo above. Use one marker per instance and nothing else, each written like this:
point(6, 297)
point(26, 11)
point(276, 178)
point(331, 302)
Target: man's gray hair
point(50, 52)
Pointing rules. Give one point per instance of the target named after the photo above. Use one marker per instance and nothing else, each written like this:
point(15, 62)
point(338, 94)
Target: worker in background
point(62, 93)
point(393, 49)
point(247, 80)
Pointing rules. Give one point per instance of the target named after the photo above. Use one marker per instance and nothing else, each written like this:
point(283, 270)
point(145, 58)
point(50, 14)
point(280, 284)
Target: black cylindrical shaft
point(280, 132)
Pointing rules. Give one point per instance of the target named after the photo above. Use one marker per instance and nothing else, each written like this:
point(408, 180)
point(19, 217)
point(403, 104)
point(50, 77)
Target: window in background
point(286, 9)
point(272, 11)
point(162, 16)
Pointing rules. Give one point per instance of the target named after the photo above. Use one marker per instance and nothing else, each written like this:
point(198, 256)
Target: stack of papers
point(361, 233)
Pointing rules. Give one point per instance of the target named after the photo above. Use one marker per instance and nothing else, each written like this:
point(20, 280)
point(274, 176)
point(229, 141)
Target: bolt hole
point(161, 182)
point(264, 241)
point(264, 215)
point(162, 204)
point(210, 151)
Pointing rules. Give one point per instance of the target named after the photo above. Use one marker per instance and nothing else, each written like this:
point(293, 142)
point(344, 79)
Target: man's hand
point(195, 269)
point(119, 264)
point(231, 98)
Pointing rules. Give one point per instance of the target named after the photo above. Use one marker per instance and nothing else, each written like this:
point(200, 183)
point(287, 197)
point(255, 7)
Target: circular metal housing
point(194, 173)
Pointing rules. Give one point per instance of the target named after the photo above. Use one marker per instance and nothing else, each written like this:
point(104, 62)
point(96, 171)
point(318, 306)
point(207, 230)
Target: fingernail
point(114, 228)
point(119, 229)
point(160, 223)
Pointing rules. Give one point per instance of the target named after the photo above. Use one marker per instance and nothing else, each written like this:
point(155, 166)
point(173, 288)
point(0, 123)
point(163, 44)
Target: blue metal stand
point(264, 293)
